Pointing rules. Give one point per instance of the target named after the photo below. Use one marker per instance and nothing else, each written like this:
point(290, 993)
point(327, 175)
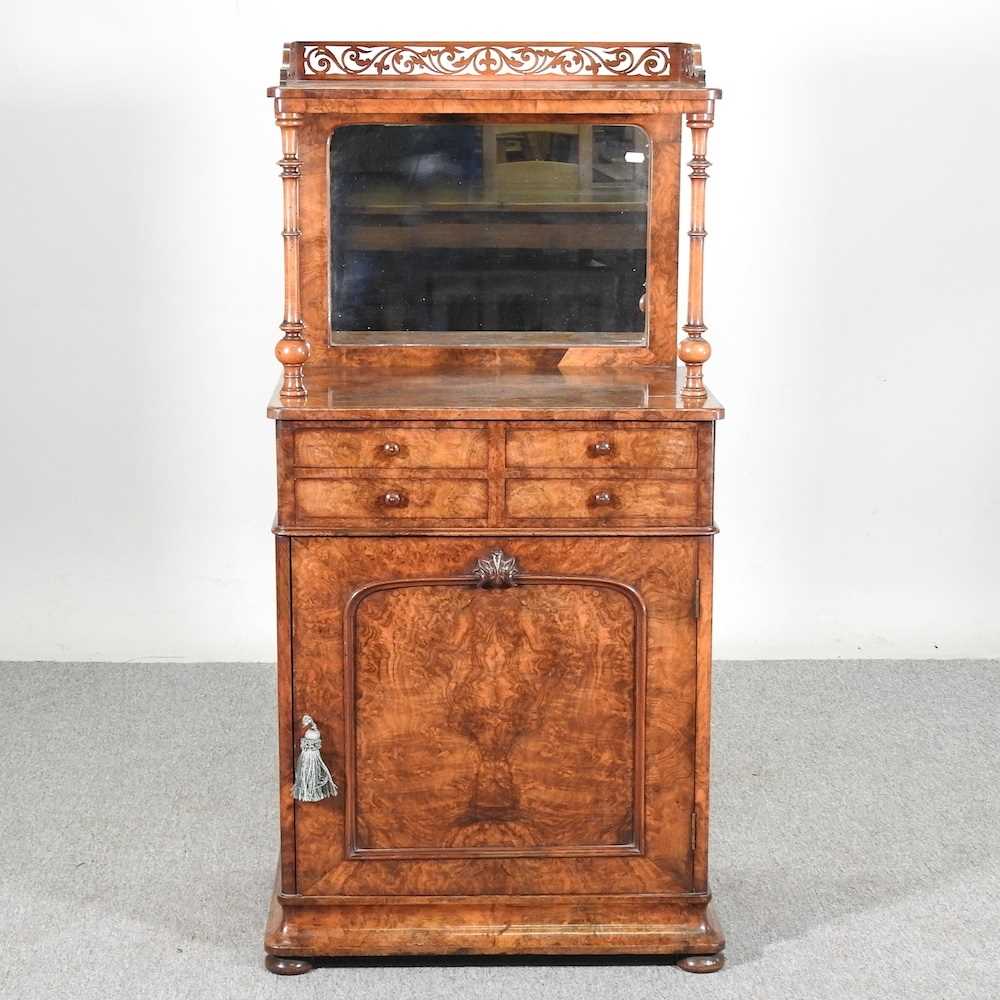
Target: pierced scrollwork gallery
point(321, 60)
point(496, 570)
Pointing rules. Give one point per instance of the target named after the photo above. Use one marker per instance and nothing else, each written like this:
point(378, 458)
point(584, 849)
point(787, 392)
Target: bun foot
point(280, 965)
point(702, 963)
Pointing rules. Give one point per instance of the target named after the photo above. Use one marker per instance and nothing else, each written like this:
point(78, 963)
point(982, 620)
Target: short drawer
point(642, 501)
point(390, 448)
point(673, 447)
point(368, 500)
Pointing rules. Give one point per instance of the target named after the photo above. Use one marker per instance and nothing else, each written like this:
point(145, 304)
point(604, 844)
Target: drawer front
point(604, 447)
point(390, 448)
point(644, 501)
point(379, 500)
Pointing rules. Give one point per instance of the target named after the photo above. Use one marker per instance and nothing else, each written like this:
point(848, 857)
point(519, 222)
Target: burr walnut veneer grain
point(603, 447)
point(390, 448)
point(494, 564)
point(356, 501)
point(487, 743)
point(629, 501)
point(451, 474)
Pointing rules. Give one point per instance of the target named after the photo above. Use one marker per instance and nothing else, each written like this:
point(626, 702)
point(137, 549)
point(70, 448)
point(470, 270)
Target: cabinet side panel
point(706, 473)
point(703, 716)
point(285, 438)
point(286, 771)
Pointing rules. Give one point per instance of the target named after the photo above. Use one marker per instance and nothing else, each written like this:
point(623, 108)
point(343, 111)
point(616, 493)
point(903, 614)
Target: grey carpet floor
point(855, 843)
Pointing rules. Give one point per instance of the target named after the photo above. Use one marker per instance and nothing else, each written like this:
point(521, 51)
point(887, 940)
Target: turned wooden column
point(293, 349)
point(694, 350)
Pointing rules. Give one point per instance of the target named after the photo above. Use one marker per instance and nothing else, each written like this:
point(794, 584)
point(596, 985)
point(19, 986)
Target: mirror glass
point(488, 235)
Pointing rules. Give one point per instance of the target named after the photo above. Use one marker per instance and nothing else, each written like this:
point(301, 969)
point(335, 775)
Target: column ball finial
point(694, 351)
point(292, 352)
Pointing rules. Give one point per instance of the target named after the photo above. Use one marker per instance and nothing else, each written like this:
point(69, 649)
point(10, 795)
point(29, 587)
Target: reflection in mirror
point(492, 235)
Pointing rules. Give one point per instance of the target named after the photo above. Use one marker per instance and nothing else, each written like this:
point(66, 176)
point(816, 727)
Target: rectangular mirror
point(490, 235)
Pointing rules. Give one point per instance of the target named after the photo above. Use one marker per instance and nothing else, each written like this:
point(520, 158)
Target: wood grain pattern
point(492, 98)
point(640, 501)
point(623, 394)
point(391, 448)
point(524, 770)
point(328, 570)
point(512, 925)
point(670, 465)
point(486, 723)
point(545, 93)
point(285, 714)
point(703, 714)
point(706, 473)
point(359, 500)
point(602, 446)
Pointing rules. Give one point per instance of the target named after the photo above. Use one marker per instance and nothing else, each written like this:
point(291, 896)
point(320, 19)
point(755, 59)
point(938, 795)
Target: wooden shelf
point(623, 394)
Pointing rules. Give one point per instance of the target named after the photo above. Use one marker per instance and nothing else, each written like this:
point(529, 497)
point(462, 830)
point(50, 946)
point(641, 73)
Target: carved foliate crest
point(641, 61)
point(496, 570)
point(329, 60)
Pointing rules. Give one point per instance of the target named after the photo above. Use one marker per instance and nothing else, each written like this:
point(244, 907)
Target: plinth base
point(303, 927)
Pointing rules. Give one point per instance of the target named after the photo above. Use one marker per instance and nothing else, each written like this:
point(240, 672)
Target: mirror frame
point(664, 133)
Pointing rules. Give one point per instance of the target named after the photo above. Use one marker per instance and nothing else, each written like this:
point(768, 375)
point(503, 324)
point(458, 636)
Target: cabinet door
point(503, 716)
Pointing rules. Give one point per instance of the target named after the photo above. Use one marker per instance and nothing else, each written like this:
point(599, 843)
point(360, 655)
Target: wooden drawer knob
point(602, 498)
point(390, 448)
point(394, 498)
point(602, 448)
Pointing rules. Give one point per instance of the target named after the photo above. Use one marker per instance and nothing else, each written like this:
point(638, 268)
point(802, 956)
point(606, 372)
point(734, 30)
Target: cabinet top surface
point(620, 394)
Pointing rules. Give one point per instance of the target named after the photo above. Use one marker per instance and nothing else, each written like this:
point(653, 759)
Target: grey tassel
point(313, 780)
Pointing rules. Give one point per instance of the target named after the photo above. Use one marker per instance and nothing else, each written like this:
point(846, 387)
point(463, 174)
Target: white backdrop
point(854, 219)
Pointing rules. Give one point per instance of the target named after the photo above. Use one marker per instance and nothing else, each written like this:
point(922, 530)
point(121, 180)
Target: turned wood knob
point(602, 498)
point(394, 498)
point(602, 448)
point(390, 448)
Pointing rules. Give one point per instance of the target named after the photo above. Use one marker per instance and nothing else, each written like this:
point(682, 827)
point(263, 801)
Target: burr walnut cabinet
point(494, 506)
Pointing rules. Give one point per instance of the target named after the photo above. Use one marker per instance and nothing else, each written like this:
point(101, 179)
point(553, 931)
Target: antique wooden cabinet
point(494, 528)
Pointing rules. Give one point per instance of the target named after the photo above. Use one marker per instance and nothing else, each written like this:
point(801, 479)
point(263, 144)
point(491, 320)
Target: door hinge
point(694, 831)
point(697, 597)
